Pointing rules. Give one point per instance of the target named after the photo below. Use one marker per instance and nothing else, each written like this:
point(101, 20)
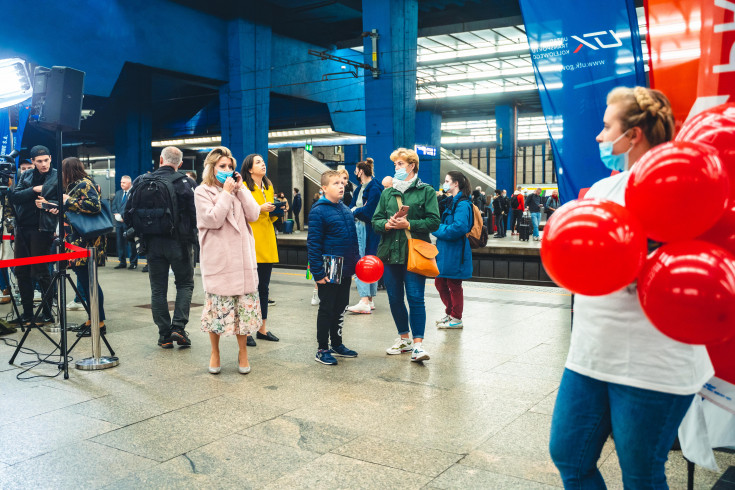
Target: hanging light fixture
point(15, 83)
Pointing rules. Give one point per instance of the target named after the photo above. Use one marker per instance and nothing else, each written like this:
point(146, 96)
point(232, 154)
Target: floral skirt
point(231, 315)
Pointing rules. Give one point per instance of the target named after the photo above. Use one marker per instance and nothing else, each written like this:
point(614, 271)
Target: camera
point(130, 234)
point(7, 169)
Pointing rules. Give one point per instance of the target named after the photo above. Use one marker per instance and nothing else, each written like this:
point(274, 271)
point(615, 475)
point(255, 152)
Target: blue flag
point(580, 51)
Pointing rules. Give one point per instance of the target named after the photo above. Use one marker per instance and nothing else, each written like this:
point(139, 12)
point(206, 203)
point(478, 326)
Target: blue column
point(505, 157)
point(390, 100)
point(133, 123)
point(352, 154)
point(245, 100)
point(429, 133)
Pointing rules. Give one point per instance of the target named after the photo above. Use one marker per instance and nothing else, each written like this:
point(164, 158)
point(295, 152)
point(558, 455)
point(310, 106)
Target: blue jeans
point(535, 218)
point(363, 289)
point(4, 280)
point(396, 278)
point(644, 424)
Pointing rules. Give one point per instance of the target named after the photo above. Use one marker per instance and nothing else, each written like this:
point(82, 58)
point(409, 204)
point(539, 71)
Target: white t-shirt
point(613, 341)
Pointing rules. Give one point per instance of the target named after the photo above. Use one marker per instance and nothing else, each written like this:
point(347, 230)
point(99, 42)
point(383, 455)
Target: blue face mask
point(613, 162)
point(222, 176)
point(400, 174)
point(445, 187)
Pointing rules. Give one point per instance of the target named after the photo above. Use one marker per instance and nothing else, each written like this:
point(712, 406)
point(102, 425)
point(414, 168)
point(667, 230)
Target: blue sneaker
point(342, 351)
point(325, 357)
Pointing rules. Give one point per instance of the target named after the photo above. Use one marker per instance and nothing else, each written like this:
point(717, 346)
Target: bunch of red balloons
point(680, 194)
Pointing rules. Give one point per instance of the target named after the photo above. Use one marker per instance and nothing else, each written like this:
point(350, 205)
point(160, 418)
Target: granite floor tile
point(519, 450)
point(510, 382)
point(529, 370)
point(545, 406)
point(334, 471)
point(80, 465)
point(199, 424)
point(25, 399)
point(465, 477)
point(400, 455)
point(302, 433)
point(27, 438)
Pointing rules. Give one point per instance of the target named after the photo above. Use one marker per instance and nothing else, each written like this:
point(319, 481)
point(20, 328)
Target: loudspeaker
point(57, 98)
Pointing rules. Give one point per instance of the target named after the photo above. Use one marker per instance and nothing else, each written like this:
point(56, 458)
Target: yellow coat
point(266, 251)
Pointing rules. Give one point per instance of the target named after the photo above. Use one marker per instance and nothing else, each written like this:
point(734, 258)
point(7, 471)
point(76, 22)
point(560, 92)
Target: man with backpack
point(162, 213)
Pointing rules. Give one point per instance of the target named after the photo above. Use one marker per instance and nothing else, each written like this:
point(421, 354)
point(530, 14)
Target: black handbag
point(88, 225)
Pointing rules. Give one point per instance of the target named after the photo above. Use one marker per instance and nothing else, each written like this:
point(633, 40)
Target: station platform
point(476, 415)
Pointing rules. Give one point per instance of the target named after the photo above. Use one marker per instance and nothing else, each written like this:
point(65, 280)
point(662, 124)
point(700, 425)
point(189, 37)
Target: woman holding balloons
point(623, 376)
point(418, 216)
point(366, 200)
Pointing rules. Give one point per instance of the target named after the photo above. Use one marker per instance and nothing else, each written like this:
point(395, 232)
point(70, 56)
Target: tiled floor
point(476, 415)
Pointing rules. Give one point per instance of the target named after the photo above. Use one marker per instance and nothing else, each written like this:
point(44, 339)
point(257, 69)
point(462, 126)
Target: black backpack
point(153, 207)
point(514, 202)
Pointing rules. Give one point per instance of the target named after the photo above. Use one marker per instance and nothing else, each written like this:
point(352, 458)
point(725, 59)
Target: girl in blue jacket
point(364, 201)
point(455, 257)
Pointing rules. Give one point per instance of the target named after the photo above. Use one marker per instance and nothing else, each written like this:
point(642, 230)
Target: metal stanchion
point(95, 362)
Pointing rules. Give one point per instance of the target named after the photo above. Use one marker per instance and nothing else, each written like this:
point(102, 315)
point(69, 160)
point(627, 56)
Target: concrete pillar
point(429, 133)
point(245, 100)
point(133, 123)
point(390, 100)
point(505, 151)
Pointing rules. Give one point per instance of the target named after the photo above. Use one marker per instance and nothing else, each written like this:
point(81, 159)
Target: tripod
point(59, 280)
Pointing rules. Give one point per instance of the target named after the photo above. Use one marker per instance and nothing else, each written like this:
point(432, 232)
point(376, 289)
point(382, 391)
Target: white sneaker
point(37, 297)
point(443, 319)
point(418, 354)
point(451, 323)
point(372, 305)
point(360, 307)
point(315, 298)
point(74, 306)
point(401, 346)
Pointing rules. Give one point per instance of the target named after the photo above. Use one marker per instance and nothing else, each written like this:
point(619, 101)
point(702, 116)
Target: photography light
point(15, 83)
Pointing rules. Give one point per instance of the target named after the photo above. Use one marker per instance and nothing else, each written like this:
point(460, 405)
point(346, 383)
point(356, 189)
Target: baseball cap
point(39, 150)
point(26, 161)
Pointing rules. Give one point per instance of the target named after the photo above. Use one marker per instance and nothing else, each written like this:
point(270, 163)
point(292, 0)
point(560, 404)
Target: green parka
point(423, 215)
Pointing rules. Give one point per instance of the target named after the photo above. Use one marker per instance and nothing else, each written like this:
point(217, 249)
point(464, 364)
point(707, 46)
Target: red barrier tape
point(77, 253)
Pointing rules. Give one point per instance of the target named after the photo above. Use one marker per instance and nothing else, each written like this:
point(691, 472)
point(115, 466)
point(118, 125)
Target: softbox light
point(15, 83)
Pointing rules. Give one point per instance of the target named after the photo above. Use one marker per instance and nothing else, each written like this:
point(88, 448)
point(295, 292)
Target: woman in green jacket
point(422, 219)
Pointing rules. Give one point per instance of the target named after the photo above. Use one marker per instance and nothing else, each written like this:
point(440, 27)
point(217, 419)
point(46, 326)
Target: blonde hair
point(329, 174)
point(409, 156)
point(343, 171)
point(209, 175)
point(647, 109)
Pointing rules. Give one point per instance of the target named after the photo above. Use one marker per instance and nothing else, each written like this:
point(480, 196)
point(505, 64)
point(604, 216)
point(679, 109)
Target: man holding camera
point(124, 248)
point(35, 199)
point(161, 211)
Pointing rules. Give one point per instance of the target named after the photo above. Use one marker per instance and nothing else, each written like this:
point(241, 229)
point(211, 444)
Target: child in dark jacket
point(332, 232)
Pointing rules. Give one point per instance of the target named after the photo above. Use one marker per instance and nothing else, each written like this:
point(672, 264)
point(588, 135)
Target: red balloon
point(369, 269)
point(669, 175)
point(687, 290)
point(715, 127)
point(593, 247)
point(723, 233)
point(723, 359)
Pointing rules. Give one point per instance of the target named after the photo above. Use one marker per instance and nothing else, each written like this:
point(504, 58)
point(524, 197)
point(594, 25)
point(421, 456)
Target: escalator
point(450, 161)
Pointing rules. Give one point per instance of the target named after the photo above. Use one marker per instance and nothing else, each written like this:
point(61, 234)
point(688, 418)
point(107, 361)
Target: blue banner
point(5, 131)
point(580, 51)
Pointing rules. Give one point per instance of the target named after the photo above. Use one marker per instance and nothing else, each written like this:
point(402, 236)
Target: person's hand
point(53, 211)
point(118, 217)
point(399, 223)
point(323, 280)
point(37, 189)
point(267, 207)
point(39, 202)
point(229, 185)
point(65, 196)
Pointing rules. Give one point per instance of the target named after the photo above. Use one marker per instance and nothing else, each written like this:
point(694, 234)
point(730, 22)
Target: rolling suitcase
point(524, 229)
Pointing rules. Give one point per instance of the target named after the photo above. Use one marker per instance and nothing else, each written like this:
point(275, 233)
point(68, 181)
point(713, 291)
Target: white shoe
point(451, 323)
point(315, 298)
point(401, 346)
point(372, 305)
point(74, 306)
point(37, 297)
point(360, 307)
point(444, 319)
point(418, 354)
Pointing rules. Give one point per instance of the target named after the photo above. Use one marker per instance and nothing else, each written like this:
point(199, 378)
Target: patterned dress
point(84, 198)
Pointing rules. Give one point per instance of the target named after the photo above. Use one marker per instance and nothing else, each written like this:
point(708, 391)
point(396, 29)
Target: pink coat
point(227, 246)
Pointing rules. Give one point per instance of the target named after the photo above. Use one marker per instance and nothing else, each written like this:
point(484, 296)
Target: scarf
point(403, 185)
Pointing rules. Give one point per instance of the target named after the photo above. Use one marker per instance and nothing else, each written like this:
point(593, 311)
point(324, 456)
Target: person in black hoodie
point(500, 213)
point(34, 230)
point(332, 233)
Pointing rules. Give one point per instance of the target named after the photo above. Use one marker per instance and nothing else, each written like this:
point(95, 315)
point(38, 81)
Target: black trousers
point(264, 280)
point(517, 215)
point(500, 223)
point(32, 243)
point(334, 299)
point(162, 254)
point(124, 247)
point(297, 220)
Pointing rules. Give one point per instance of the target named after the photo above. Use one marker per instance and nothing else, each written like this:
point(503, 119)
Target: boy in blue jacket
point(332, 232)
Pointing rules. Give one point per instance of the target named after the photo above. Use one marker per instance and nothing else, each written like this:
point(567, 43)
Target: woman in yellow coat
point(266, 252)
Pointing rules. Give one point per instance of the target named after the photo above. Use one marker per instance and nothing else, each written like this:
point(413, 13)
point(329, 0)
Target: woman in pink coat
point(229, 268)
